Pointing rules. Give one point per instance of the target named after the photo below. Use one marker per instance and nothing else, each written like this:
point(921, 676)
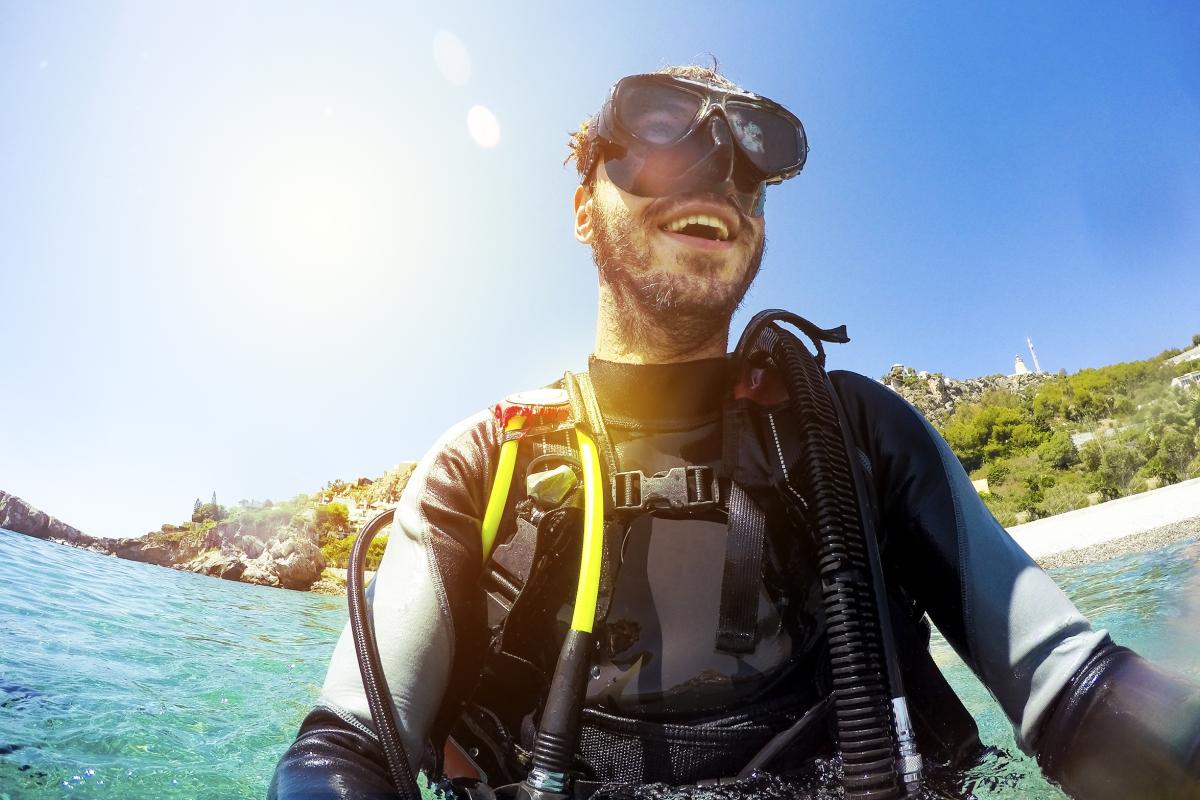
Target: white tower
point(1019, 367)
point(1036, 366)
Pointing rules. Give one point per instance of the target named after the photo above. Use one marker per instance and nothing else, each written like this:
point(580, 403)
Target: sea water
point(127, 681)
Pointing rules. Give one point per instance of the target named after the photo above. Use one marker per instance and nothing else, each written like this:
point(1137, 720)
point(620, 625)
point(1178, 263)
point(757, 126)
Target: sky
point(249, 248)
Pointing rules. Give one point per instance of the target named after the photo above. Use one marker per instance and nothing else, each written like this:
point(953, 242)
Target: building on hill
point(1186, 355)
point(1019, 367)
point(1187, 380)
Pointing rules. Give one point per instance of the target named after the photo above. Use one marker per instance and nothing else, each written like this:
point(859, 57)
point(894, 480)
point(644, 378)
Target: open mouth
point(701, 226)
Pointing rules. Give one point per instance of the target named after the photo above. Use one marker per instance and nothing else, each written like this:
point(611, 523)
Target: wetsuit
point(1100, 720)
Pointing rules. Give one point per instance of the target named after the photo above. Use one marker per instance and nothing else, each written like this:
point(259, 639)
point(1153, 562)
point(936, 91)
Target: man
point(673, 173)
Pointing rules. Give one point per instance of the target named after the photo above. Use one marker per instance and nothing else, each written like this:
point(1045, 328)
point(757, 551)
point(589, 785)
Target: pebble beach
point(1152, 539)
point(1137, 523)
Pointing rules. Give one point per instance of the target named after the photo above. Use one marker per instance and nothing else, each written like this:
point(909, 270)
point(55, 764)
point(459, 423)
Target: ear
point(584, 230)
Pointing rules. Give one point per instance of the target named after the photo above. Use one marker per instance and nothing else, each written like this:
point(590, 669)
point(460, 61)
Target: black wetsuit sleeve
point(428, 613)
point(1102, 721)
point(331, 759)
point(1124, 728)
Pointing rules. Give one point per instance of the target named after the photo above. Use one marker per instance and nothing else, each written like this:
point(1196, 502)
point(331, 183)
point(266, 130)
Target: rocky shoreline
point(283, 555)
point(1152, 539)
point(289, 557)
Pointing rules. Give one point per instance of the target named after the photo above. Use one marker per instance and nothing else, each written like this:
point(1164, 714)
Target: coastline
point(1139, 522)
point(1141, 541)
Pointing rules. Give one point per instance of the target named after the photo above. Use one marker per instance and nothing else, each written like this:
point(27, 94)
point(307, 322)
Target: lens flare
point(452, 58)
point(483, 126)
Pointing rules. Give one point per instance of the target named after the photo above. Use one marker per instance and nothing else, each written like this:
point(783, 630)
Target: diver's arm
point(1123, 728)
point(429, 627)
point(1101, 720)
point(1001, 613)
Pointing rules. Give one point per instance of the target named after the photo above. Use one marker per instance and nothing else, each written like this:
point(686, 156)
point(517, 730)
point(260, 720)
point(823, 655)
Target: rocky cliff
point(18, 516)
point(271, 550)
point(936, 396)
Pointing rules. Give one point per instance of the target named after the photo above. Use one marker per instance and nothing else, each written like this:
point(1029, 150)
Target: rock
point(19, 517)
point(937, 396)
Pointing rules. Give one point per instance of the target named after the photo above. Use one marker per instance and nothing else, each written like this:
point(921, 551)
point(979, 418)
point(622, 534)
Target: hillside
point(1042, 444)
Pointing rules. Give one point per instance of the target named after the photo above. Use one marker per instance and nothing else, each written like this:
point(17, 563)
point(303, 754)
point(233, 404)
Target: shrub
point(1025, 436)
point(332, 518)
point(337, 551)
point(1058, 452)
point(1117, 467)
point(996, 474)
point(1090, 454)
point(1170, 461)
point(209, 511)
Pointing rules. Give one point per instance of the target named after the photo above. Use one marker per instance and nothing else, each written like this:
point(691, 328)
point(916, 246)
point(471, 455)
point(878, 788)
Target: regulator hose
point(379, 697)
point(872, 724)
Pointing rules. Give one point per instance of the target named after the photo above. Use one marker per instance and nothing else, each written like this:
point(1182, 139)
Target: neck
point(629, 334)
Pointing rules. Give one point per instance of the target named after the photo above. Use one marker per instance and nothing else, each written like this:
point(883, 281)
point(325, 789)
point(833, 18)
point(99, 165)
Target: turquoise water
point(123, 680)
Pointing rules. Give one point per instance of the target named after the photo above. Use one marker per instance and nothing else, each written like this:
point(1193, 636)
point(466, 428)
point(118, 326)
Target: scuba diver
point(685, 566)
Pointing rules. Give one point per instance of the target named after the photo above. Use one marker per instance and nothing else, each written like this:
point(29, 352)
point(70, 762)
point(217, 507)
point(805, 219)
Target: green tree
point(332, 518)
point(1089, 455)
point(1058, 452)
point(1170, 461)
point(337, 551)
point(1118, 465)
point(1196, 340)
point(1024, 436)
point(1049, 404)
point(210, 511)
point(996, 474)
point(988, 430)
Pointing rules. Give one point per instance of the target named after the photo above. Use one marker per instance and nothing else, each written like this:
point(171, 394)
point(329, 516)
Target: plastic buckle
point(677, 489)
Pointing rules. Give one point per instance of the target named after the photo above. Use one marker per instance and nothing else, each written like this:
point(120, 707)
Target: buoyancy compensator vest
point(786, 457)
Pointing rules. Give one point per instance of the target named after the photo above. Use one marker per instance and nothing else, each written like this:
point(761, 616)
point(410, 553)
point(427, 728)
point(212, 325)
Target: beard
point(676, 312)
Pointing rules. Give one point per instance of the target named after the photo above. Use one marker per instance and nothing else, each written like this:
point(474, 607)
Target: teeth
point(700, 219)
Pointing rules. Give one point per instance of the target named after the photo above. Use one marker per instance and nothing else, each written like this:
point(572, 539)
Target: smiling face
point(680, 264)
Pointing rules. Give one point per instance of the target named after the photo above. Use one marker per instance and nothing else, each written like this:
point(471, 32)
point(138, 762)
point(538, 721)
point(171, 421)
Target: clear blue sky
point(252, 249)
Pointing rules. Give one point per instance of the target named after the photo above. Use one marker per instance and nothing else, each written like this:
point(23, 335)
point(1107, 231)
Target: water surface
point(125, 681)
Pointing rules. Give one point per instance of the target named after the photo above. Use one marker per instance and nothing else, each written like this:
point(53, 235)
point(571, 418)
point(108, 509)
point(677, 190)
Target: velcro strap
point(737, 627)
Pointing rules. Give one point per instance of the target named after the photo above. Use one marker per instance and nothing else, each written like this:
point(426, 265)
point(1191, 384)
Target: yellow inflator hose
point(593, 519)
point(499, 496)
point(593, 535)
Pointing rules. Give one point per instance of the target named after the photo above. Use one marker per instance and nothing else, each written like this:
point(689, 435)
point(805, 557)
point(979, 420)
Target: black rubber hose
point(861, 696)
point(862, 701)
point(558, 734)
point(362, 630)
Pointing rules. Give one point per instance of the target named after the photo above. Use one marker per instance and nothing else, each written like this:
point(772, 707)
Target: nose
point(715, 166)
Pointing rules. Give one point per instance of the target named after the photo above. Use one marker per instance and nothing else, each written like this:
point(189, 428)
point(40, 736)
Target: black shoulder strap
point(737, 629)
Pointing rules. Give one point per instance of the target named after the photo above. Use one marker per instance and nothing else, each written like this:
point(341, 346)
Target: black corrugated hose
point(850, 577)
point(379, 697)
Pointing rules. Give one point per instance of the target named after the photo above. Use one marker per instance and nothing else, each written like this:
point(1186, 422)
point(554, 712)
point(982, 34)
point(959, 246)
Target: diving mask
point(665, 134)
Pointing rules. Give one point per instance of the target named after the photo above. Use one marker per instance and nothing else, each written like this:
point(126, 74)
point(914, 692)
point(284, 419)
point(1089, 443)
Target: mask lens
point(769, 139)
point(655, 113)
